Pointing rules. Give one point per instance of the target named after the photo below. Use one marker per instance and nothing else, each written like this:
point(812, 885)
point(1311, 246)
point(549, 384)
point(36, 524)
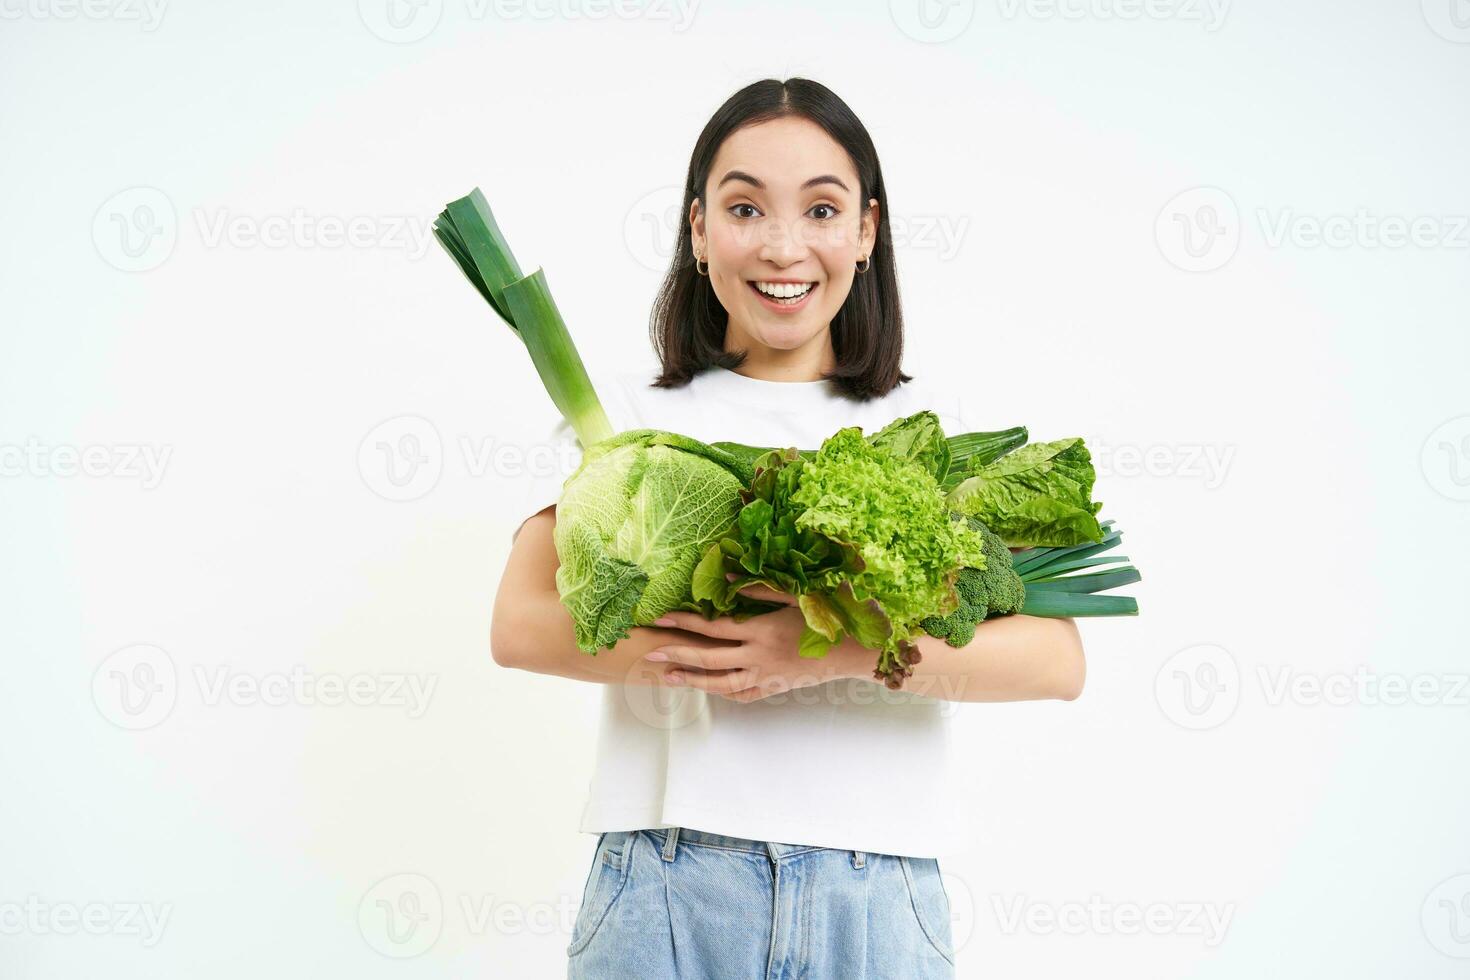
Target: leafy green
point(917, 438)
point(859, 532)
point(1038, 495)
point(632, 523)
point(966, 453)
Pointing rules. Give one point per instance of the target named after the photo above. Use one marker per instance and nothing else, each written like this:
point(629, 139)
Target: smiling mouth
point(783, 296)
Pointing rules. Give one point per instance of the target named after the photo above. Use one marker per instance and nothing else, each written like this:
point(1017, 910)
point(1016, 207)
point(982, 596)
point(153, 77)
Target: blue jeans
point(682, 904)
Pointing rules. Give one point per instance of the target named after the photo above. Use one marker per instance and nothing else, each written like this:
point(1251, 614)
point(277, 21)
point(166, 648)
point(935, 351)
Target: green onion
point(1050, 592)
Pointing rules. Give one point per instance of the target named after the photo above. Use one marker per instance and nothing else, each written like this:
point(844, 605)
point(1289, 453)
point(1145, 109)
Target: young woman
point(760, 815)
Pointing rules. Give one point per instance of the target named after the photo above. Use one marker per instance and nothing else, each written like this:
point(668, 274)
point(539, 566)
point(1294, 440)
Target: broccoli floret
point(994, 590)
point(998, 588)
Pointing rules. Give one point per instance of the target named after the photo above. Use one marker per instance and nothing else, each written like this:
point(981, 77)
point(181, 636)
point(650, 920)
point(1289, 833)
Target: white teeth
point(784, 290)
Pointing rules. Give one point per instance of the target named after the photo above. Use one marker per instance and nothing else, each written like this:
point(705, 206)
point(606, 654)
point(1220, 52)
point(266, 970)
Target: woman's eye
point(735, 206)
point(829, 208)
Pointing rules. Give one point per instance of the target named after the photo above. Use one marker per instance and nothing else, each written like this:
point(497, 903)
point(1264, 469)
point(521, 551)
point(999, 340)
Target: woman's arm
point(1011, 658)
point(531, 630)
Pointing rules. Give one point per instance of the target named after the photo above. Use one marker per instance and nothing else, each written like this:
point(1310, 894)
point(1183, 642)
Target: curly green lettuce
point(860, 533)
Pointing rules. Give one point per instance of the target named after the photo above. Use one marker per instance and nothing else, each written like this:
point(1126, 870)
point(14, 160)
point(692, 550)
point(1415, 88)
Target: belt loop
point(671, 841)
point(859, 859)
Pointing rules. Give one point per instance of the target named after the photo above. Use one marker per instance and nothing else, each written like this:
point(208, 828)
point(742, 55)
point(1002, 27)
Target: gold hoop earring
point(696, 267)
point(867, 264)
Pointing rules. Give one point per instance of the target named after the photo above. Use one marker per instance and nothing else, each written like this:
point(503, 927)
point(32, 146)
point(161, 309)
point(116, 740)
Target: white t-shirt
point(848, 764)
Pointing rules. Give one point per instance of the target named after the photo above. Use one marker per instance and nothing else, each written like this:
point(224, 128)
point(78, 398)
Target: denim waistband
point(669, 838)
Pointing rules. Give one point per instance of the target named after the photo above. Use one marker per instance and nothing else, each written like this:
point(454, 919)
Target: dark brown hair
point(688, 321)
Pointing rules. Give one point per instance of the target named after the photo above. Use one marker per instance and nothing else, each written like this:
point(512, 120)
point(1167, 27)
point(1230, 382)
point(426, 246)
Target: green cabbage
point(632, 522)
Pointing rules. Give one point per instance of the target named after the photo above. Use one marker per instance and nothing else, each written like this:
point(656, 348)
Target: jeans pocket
point(930, 902)
point(605, 880)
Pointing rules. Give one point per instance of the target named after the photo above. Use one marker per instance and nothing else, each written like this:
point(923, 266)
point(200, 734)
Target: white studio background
point(264, 452)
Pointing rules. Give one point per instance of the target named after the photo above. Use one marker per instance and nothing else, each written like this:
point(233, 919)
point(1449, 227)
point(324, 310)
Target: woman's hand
point(759, 658)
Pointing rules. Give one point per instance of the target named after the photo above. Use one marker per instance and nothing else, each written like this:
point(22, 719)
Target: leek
point(467, 230)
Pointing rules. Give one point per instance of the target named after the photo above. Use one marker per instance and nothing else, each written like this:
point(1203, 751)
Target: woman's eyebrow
point(756, 182)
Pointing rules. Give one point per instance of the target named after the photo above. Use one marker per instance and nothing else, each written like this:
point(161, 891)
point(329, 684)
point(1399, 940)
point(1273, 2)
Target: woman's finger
point(723, 628)
point(769, 594)
point(724, 658)
point(733, 680)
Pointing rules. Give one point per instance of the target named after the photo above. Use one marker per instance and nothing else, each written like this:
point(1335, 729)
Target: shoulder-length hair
point(688, 322)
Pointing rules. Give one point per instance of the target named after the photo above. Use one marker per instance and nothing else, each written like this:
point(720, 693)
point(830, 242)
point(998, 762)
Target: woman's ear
point(869, 233)
point(696, 227)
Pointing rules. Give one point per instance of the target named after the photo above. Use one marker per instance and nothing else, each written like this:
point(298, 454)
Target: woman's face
point(783, 216)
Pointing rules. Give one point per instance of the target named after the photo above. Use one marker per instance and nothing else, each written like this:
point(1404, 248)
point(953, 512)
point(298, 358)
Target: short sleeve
point(549, 461)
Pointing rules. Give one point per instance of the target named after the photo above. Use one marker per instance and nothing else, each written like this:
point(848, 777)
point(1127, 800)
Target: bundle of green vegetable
point(864, 533)
point(881, 537)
